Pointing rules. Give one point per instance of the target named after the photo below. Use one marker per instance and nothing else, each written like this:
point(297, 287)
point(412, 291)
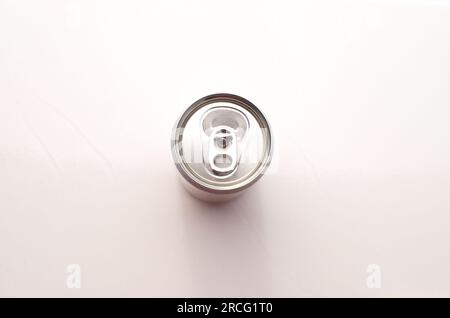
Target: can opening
point(225, 116)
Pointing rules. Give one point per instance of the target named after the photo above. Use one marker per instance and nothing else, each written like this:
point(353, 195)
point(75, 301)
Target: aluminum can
point(221, 145)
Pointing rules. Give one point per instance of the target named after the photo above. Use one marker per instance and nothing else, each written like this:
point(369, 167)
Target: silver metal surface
point(221, 145)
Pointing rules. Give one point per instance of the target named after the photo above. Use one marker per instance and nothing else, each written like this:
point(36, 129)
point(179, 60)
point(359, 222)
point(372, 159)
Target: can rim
point(184, 118)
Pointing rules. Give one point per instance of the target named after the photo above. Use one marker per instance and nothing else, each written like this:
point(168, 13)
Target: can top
point(222, 143)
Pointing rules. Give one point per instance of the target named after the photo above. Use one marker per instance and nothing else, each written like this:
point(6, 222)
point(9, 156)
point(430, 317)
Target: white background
point(358, 96)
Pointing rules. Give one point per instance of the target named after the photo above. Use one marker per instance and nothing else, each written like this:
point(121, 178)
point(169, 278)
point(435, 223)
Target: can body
point(205, 195)
point(221, 145)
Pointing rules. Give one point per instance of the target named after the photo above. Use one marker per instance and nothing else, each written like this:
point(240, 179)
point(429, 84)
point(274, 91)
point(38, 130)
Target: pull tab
point(222, 156)
point(225, 131)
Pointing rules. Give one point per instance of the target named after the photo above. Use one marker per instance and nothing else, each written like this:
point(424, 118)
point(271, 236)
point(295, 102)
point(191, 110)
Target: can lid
point(222, 143)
